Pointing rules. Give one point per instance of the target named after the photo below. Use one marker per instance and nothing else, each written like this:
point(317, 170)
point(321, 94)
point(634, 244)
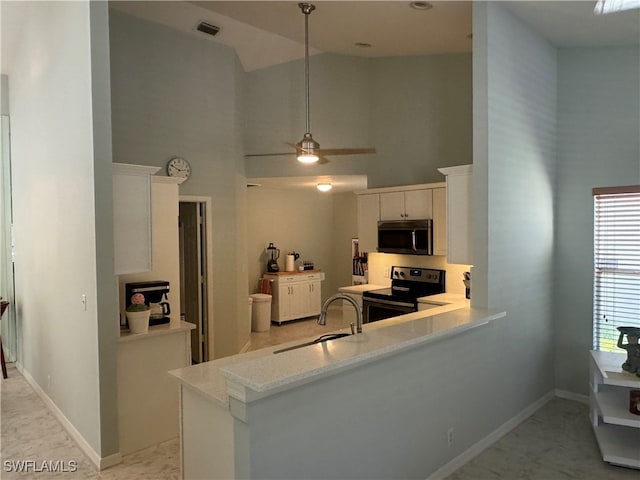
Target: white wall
point(293, 221)
point(598, 146)
point(58, 145)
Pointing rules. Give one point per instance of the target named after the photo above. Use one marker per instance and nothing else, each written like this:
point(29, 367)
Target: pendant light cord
point(306, 63)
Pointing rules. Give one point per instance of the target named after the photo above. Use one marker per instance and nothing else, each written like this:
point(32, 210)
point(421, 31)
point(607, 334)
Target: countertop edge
point(156, 331)
point(244, 388)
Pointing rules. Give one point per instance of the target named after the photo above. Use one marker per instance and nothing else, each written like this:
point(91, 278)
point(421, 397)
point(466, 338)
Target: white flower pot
point(139, 321)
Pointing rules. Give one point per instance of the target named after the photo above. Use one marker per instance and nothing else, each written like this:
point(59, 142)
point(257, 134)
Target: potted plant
point(138, 314)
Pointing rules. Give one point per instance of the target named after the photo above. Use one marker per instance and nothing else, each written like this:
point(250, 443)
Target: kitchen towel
point(265, 286)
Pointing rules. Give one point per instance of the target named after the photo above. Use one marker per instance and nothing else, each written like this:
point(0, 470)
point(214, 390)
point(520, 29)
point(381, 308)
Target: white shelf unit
point(617, 430)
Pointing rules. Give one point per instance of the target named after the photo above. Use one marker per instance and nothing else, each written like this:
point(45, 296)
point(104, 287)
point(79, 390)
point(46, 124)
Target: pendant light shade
point(307, 147)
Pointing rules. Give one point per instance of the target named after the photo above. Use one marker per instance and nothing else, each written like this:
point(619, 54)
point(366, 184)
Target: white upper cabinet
point(459, 184)
point(132, 218)
point(406, 205)
point(439, 221)
point(368, 216)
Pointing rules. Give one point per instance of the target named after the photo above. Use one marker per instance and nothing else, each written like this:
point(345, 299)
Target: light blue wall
point(174, 94)
point(598, 146)
point(416, 111)
point(514, 190)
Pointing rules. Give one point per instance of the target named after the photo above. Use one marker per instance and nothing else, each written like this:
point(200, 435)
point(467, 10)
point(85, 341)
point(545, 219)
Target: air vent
point(207, 28)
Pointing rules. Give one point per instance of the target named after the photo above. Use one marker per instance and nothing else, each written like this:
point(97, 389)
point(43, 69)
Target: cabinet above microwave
point(407, 202)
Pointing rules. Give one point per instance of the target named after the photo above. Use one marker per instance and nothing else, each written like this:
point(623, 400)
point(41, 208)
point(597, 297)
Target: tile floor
point(298, 329)
point(555, 443)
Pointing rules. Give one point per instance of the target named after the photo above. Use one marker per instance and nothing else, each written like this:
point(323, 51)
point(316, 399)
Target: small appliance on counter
point(155, 295)
point(273, 254)
point(308, 265)
point(408, 284)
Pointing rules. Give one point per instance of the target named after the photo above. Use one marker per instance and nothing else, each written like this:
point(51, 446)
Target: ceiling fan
point(308, 150)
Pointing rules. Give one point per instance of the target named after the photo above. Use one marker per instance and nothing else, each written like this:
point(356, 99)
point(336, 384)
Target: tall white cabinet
point(459, 184)
point(617, 430)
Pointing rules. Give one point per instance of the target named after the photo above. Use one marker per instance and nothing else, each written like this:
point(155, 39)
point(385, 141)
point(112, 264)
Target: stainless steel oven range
point(407, 285)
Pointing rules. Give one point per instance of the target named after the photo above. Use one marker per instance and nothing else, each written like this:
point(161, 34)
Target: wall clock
point(178, 167)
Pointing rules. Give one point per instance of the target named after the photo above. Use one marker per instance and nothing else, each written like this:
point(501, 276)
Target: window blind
point(616, 282)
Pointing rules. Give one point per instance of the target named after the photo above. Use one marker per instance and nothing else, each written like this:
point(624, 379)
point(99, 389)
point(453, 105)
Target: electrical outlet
point(386, 271)
point(450, 437)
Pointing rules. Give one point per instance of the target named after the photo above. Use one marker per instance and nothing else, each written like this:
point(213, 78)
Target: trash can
point(261, 312)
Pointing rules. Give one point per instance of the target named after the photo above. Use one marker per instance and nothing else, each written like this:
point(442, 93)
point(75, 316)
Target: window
point(616, 248)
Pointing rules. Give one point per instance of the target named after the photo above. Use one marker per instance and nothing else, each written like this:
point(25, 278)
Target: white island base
point(356, 407)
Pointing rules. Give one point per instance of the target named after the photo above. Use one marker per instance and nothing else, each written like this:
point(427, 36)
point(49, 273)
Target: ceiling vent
point(207, 28)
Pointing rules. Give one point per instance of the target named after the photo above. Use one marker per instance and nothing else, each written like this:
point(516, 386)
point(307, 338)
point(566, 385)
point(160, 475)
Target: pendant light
point(307, 147)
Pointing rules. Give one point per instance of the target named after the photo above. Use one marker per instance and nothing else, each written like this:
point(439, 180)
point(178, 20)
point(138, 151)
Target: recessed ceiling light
point(362, 45)
point(421, 5)
point(324, 187)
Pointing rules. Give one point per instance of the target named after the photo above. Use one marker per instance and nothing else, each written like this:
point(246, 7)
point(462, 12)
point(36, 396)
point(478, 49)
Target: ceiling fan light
point(308, 149)
point(324, 187)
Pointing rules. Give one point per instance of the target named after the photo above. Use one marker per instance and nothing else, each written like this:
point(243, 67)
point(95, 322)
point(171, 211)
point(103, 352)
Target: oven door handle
point(388, 302)
point(413, 240)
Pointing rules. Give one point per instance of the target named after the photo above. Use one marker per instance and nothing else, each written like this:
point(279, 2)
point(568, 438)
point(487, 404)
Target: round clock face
point(178, 167)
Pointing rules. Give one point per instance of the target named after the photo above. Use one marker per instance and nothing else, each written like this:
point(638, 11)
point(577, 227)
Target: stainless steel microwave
point(414, 237)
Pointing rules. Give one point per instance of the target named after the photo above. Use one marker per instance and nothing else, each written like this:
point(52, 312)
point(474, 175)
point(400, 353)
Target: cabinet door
point(300, 300)
point(131, 223)
point(368, 216)
point(418, 204)
point(281, 303)
point(458, 219)
point(392, 206)
point(439, 221)
point(315, 298)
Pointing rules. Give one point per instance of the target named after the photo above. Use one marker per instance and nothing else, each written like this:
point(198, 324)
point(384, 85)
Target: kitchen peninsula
point(314, 411)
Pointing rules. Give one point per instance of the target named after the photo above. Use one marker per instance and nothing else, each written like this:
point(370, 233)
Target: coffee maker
point(155, 295)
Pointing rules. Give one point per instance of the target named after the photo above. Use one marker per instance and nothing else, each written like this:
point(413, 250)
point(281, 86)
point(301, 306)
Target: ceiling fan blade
point(322, 160)
point(268, 154)
point(346, 151)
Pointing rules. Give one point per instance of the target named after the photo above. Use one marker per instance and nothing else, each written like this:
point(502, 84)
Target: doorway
point(195, 298)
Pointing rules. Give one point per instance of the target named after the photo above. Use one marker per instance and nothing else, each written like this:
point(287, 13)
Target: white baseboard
point(246, 347)
point(99, 462)
point(572, 396)
point(490, 439)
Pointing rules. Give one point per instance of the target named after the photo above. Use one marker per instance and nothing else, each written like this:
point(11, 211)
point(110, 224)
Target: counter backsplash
point(380, 264)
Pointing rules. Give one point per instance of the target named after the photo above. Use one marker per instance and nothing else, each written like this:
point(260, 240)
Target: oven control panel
point(412, 274)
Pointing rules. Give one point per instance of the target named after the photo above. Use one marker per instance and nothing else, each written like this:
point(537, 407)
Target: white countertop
point(360, 288)
point(261, 373)
point(156, 330)
point(445, 299)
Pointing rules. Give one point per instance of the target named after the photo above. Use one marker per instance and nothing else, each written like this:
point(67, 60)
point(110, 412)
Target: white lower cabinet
point(295, 295)
point(617, 430)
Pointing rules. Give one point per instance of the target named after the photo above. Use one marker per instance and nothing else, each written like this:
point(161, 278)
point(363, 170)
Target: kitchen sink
point(321, 339)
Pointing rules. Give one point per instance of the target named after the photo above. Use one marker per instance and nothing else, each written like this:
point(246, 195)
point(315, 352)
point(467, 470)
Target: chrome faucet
point(322, 319)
